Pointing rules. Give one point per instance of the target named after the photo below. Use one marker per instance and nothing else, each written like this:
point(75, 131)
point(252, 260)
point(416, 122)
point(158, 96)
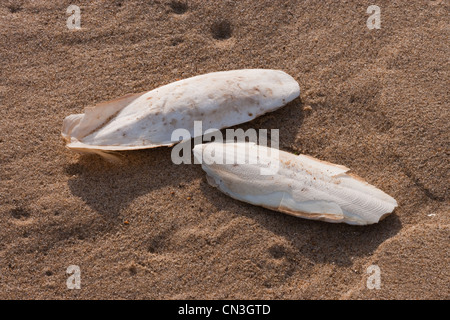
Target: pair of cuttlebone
point(302, 186)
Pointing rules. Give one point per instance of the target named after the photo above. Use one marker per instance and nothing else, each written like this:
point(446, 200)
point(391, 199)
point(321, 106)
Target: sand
point(373, 100)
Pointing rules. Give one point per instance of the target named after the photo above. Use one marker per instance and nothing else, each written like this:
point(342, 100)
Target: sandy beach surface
point(374, 100)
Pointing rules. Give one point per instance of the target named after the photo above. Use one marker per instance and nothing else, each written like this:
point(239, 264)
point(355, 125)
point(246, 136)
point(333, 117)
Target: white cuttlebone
point(147, 120)
point(302, 186)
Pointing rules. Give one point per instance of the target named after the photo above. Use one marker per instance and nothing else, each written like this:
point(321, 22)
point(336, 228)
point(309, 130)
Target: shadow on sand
point(109, 188)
